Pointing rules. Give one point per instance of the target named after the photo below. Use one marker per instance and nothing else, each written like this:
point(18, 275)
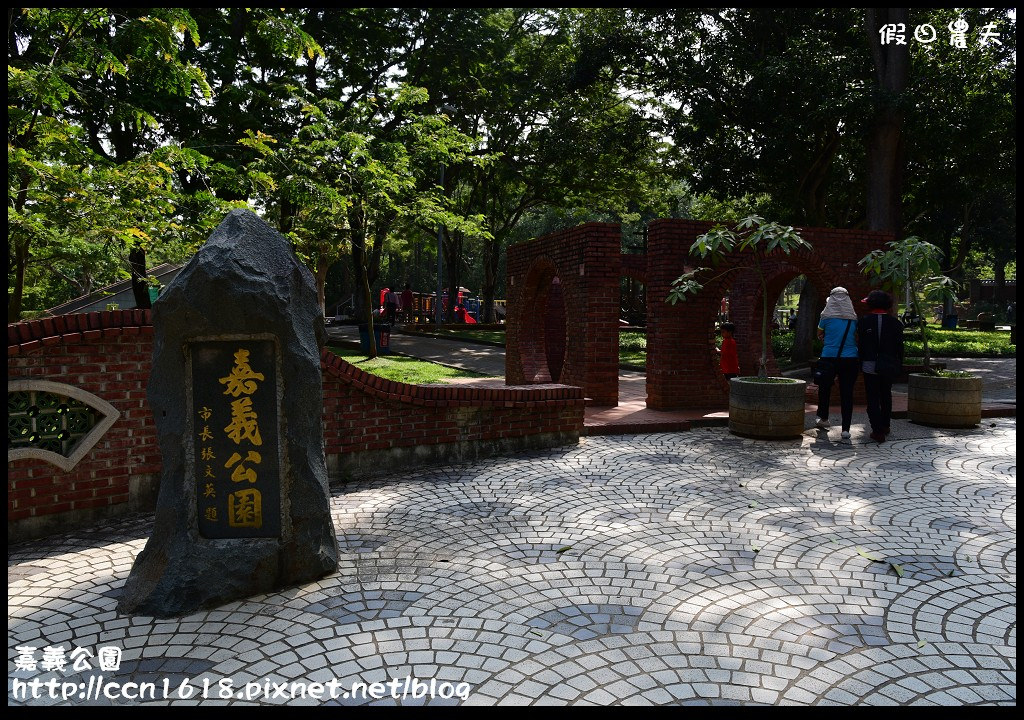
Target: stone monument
point(236, 394)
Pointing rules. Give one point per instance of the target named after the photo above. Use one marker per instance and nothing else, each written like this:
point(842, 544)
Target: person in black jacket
point(879, 332)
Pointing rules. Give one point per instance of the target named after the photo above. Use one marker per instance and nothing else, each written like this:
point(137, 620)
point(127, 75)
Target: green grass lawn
point(633, 349)
point(941, 343)
point(960, 343)
point(400, 368)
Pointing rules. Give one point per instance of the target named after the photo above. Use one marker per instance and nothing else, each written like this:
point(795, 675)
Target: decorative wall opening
point(554, 330)
point(582, 349)
point(54, 422)
point(44, 420)
point(538, 300)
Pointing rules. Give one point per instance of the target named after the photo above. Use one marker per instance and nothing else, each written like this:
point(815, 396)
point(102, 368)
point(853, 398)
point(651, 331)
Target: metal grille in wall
point(47, 421)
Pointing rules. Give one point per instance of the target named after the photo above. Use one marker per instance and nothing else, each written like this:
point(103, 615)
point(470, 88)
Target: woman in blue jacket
point(837, 330)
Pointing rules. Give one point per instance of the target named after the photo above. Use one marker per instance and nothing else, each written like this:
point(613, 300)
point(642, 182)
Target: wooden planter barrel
point(949, 402)
point(770, 411)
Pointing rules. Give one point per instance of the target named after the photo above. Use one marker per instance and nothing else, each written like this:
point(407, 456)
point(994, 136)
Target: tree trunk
point(14, 298)
point(140, 288)
point(381, 228)
point(814, 185)
point(885, 139)
point(920, 312)
point(999, 270)
point(453, 262)
point(492, 251)
point(807, 313)
point(365, 316)
point(322, 266)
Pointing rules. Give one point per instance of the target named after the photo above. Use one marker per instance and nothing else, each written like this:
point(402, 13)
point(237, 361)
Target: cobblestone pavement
point(676, 568)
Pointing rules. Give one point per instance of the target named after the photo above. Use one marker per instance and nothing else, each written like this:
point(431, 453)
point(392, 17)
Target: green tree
point(342, 183)
point(83, 142)
point(961, 140)
point(916, 265)
point(754, 235)
point(562, 137)
point(759, 101)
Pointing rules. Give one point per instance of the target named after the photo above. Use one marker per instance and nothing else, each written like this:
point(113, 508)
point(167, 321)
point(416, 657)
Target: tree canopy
point(131, 132)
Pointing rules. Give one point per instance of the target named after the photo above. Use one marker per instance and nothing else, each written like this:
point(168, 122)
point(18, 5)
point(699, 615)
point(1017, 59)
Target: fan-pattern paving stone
point(919, 674)
point(672, 568)
point(960, 609)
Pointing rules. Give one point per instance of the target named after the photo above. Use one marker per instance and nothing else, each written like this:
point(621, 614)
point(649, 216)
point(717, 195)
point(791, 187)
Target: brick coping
point(30, 334)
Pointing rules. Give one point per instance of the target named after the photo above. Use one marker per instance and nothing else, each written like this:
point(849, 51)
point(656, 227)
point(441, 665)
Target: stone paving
point(675, 568)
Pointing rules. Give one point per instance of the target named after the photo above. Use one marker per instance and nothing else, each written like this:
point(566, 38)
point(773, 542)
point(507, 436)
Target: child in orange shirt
point(730, 361)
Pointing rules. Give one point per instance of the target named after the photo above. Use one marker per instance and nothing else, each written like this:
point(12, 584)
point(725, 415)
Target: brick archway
point(682, 367)
point(746, 311)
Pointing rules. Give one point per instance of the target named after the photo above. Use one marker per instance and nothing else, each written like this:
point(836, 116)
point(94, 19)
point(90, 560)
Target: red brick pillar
point(682, 365)
point(586, 262)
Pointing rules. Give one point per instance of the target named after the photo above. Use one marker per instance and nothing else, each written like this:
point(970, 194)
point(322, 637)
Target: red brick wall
point(363, 412)
point(109, 354)
point(682, 366)
point(587, 262)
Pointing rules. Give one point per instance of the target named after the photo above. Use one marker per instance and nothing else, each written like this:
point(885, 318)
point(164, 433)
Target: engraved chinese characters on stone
point(236, 438)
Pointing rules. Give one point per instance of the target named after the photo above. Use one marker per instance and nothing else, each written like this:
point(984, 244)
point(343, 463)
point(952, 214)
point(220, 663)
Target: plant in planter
point(941, 398)
point(765, 407)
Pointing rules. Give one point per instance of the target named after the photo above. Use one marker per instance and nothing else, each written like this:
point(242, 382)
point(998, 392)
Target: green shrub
point(954, 374)
point(960, 343)
point(633, 349)
point(782, 343)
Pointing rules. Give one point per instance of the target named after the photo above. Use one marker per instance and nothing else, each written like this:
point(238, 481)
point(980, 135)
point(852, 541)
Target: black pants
point(879, 396)
point(846, 373)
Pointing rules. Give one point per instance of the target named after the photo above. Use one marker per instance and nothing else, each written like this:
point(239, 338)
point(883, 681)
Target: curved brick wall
point(371, 424)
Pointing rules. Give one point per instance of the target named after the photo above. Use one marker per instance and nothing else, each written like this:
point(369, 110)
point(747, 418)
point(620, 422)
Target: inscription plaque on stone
point(236, 438)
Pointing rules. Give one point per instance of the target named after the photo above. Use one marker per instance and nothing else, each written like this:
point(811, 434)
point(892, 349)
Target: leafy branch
point(915, 264)
point(755, 235)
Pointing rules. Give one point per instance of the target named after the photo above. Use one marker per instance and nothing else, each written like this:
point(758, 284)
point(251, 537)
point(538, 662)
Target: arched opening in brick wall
point(554, 330)
point(543, 338)
point(633, 298)
point(745, 293)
